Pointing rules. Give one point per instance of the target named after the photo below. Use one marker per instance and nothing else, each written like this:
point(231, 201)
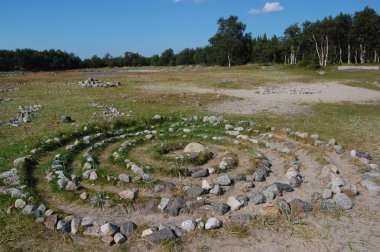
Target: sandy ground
point(252, 102)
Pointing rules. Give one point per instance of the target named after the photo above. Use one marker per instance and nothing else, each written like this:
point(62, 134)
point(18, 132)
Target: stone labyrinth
point(166, 177)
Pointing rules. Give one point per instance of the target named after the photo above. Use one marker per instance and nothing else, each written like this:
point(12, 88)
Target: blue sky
point(88, 27)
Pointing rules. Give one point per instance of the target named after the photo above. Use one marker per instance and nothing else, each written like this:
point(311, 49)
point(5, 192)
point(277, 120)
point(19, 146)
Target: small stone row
point(90, 82)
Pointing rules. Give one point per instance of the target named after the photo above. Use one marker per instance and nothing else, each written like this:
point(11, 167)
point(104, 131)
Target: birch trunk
point(362, 54)
point(349, 54)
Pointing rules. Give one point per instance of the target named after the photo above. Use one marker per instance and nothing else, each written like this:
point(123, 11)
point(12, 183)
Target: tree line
point(341, 39)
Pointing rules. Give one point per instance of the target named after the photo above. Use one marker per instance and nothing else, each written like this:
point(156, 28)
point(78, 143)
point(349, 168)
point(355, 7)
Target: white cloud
point(269, 7)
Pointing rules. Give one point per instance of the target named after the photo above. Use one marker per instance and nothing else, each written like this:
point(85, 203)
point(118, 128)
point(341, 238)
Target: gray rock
point(125, 178)
point(220, 208)
point(278, 188)
point(192, 205)
point(165, 234)
point(19, 203)
point(62, 182)
point(363, 154)
point(269, 195)
point(163, 203)
point(87, 221)
point(40, 219)
point(119, 238)
point(108, 229)
point(372, 187)
point(128, 228)
point(326, 193)
point(339, 149)
point(195, 191)
point(176, 206)
point(217, 190)
point(295, 182)
point(352, 188)
point(257, 198)
point(213, 223)
point(66, 119)
point(240, 177)
point(224, 180)
point(188, 225)
point(200, 173)
point(243, 217)
point(283, 206)
point(343, 201)
point(315, 197)
point(75, 223)
point(300, 205)
point(259, 176)
point(29, 209)
point(71, 186)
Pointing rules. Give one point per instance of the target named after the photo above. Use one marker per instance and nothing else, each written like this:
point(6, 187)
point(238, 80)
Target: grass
point(355, 126)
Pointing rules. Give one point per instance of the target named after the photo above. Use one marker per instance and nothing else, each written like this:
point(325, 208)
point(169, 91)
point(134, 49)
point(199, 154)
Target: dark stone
point(295, 182)
point(195, 191)
point(283, 206)
point(165, 234)
point(66, 119)
point(301, 205)
point(266, 162)
point(176, 206)
point(364, 154)
point(200, 173)
point(195, 204)
point(127, 228)
point(278, 188)
point(66, 227)
point(220, 208)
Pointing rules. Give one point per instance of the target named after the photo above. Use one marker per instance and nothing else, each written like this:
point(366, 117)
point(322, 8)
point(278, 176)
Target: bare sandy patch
point(288, 98)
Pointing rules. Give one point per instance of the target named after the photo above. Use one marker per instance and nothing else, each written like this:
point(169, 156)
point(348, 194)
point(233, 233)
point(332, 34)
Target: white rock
point(234, 203)
point(213, 223)
point(119, 238)
point(207, 185)
point(19, 204)
point(194, 148)
point(146, 232)
point(108, 229)
point(353, 153)
point(188, 225)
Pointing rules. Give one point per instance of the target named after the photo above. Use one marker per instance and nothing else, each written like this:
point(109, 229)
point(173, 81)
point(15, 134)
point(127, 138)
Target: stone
point(240, 178)
point(352, 188)
point(339, 149)
point(372, 187)
point(314, 136)
point(220, 208)
point(176, 206)
point(157, 117)
point(259, 175)
point(200, 173)
point(315, 197)
point(269, 195)
point(283, 206)
point(332, 142)
point(83, 195)
point(49, 212)
point(163, 203)
point(217, 190)
point(51, 221)
point(278, 188)
point(234, 203)
point(87, 221)
point(336, 180)
point(295, 182)
point(146, 232)
point(325, 172)
point(374, 167)
point(20, 204)
point(207, 185)
point(300, 205)
point(165, 234)
point(257, 198)
point(108, 229)
point(353, 153)
point(128, 228)
point(270, 211)
point(159, 188)
point(213, 223)
point(93, 175)
point(191, 205)
point(75, 223)
point(326, 193)
point(194, 148)
point(29, 209)
point(228, 163)
point(40, 219)
point(291, 172)
point(195, 191)
point(108, 240)
point(364, 154)
point(66, 119)
point(224, 180)
point(62, 182)
point(94, 231)
point(125, 178)
point(343, 201)
point(119, 238)
point(66, 227)
point(188, 225)
point(129, 194)
point(71, 186)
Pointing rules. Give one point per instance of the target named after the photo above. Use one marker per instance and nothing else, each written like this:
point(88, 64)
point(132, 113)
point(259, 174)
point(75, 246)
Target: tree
point(229, 37)
point(167, 57)
point(292, 39)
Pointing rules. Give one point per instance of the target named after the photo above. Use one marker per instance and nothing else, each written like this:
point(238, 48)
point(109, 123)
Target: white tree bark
point(322, 50)
point(375, 58)
point(349, 54)
point(362, 54)
point(340, 55)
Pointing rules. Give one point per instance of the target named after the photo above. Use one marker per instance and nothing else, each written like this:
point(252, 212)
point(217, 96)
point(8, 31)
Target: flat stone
point(163, 203)
point(200, 173)
point(165, 234)
point(194, 148)
point(93, 231)
point(213, 223)
point(128, 228)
